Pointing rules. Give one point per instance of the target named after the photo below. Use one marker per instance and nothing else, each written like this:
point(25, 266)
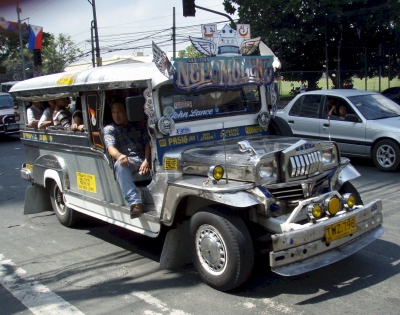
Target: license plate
point(340, 229)
point(11, 127)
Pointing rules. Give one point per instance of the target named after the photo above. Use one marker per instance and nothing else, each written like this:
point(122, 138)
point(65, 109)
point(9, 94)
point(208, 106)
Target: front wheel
point(386, 155)
point(348, 187)
point(223, 252)
point(65, 215)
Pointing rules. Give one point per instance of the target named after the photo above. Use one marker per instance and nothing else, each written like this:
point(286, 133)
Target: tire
point(348, 187)
point(275, 130)
point(65, 215)
point(386, 155)
point(222, 252)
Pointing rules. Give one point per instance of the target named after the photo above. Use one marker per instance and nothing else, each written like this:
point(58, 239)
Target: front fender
point(53, 167)
point(233, 195)
point(346, 174)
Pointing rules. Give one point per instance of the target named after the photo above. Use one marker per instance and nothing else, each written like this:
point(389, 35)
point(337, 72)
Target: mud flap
point(37, 200)
point(176, 249)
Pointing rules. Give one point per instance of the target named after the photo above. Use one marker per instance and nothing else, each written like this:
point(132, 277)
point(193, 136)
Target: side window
point(295, 110)
point(307, 106)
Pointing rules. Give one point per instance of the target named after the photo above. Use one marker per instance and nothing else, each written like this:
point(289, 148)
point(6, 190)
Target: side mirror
point(135, 108)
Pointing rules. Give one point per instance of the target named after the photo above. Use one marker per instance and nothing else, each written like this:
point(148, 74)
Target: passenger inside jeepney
point(77, 117)
point(61, 115)
point(34, 113)
point(47, 117)
point(129, 145)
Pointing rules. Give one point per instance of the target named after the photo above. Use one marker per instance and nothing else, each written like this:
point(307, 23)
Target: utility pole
point(173, 34)
point(20, 42)
point(92, 43)
point(96, 34)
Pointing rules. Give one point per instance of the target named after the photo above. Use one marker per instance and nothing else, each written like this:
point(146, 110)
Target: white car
point(371, 127)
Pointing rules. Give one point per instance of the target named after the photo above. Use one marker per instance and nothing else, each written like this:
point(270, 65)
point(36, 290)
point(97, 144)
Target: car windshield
point(209, 103)
point(6, 101)
point(375, 106)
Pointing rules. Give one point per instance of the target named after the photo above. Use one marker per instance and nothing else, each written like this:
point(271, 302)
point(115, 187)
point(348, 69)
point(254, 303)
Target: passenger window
point(308, 106)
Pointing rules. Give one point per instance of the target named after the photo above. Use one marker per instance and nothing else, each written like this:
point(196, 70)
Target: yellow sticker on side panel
point(171, 164)
point(86, 182)
point(29, 167)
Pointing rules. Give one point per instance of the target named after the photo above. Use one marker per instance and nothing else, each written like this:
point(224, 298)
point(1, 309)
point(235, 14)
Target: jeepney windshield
point(209, 103)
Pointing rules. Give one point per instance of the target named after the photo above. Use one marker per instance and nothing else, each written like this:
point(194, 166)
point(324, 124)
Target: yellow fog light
point(349, 200)
point(216, 172)
point(314, 211)
point(332, 205)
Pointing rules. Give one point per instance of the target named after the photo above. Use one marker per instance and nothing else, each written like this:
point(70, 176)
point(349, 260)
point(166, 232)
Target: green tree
point(190, 52)
point(351, 31)
point(58, 53)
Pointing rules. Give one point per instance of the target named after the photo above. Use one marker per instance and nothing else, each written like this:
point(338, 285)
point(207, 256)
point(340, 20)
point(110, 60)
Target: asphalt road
point(98, 268)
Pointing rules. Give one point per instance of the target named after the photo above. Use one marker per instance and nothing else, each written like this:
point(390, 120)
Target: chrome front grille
point(297, 191)
point(304, 164)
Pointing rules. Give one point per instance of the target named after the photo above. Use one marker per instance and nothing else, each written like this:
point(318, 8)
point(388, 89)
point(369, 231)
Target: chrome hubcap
point(386, 156)
point(211, 249)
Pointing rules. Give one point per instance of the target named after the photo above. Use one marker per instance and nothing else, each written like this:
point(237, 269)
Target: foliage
point(190, 52)
point(58, 53)
point(298, 31)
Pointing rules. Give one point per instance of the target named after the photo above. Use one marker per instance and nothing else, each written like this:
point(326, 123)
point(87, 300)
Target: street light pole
point(20, 42)
point(96, 34)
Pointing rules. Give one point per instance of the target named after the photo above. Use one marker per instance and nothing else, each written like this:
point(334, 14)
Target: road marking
point(35, 296)
point(157, 303)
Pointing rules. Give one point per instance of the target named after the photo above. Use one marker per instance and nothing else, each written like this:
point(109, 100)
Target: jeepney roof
point(112, 76)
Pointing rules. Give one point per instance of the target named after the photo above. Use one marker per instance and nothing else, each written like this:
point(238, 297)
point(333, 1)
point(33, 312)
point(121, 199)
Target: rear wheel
point(223, 251)
point(65, 215)
point(386, 155)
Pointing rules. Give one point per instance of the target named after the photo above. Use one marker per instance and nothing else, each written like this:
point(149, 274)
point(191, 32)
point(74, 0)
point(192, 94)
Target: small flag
point(35, 37)
point(11, 26)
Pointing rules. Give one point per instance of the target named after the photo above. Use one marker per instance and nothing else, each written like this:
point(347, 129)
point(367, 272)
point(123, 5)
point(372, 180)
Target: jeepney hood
point(241, 164)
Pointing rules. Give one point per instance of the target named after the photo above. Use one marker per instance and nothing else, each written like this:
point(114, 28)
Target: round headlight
point(327, 156)
point(266, 170)
point(314, 211)
point(332, 205)
point(216, 172)
point(349, 200)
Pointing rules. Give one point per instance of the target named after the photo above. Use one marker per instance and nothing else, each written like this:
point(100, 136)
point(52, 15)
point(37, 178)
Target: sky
point(121, 23)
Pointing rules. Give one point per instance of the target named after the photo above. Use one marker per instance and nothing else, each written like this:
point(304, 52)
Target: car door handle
point(326, 125)
point(291, 121)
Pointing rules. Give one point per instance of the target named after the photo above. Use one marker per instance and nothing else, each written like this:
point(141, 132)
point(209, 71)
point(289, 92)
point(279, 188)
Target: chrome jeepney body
point(267, 185)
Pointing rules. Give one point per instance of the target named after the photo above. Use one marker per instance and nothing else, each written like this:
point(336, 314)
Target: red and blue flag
point(35, 37)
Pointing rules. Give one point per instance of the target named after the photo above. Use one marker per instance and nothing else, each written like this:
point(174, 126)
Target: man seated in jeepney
point(62, 116)
point(129, 144)
point(34, 113)
point(47, 116)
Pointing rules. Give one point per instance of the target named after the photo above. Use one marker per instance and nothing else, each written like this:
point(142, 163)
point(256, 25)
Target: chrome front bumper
point(303, 250)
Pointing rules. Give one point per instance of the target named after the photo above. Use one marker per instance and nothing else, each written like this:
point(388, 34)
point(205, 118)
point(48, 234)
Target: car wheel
point(348, 187)
point(65, 215)
point(386, 155)
point(222, 250)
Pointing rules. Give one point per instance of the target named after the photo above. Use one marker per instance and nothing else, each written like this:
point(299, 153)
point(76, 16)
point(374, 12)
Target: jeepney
point(224, 184)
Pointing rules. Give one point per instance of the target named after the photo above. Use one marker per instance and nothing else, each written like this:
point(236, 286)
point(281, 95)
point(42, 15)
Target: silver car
point(369, 126)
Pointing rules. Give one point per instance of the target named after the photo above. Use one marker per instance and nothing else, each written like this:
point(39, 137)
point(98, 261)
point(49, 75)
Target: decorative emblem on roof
point(162, 62)
point(227, 41)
